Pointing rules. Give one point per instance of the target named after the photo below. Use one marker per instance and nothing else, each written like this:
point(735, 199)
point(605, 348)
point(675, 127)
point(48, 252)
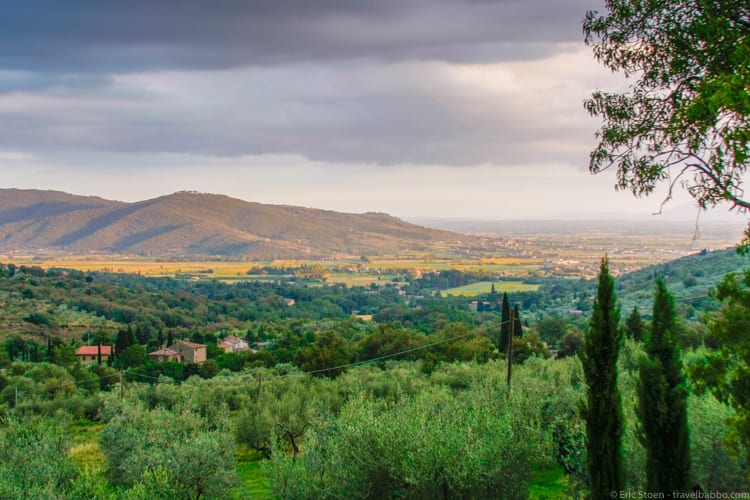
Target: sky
point(443, 108)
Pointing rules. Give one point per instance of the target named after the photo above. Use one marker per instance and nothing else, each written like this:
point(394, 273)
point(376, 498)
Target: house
point(90, 353)
point(190, 352)
point(165, 354)
point(182, 352)
point(233, 344)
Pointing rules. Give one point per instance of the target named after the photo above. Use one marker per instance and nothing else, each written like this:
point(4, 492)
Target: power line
point(451, 339)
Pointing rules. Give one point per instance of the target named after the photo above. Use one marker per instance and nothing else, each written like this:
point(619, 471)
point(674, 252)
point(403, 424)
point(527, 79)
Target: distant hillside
point(688, 278)
point(189, 224)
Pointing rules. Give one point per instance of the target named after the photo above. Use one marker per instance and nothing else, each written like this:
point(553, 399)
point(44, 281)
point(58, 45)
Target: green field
point(486, 287)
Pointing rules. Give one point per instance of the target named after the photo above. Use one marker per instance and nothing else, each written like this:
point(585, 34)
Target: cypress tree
point(517, 328)
point(505, 325)
point(634, 325)
point(662, 405)
point(123, 340)
point(603, 411)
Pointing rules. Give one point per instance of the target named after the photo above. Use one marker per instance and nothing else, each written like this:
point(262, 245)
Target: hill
point(689, 279)
point(190, 224)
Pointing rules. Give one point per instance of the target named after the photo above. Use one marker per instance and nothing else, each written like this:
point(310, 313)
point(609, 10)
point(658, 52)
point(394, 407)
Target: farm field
point(350, 272)
point(486, 287)
point(561, 250)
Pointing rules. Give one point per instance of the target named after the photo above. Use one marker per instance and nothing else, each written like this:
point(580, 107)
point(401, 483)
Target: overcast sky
point(458, 108)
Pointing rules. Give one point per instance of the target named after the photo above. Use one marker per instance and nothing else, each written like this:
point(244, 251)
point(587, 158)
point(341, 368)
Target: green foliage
point(430, 446)
point(688, 109)
point(634, 327)
point(46, 389)
point(727, 372)
point(388, 339)
point(64, 355)
point(284, 408)
point(571, 344)
point(124, 339)
point(517, 326)
point(552, 329)
point(147, 446)
point(529, 345)
point(328, 351)
point(603, 410)
point(715, 466)
point(663, 402)
point(437, 419)
point(35, 461)
point(133, 355)
point(634, 454)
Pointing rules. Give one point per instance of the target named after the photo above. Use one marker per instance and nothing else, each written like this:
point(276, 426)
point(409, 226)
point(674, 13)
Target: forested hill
point(190, 224)
point(689, 278)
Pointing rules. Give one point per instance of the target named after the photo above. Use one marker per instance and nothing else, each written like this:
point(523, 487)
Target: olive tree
point(197, 462)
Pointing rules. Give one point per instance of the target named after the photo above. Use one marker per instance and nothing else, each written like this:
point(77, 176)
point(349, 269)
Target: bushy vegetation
point(410, 404)
point(387, 431)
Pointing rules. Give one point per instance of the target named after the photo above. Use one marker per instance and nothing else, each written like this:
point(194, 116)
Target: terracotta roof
point(92, 350)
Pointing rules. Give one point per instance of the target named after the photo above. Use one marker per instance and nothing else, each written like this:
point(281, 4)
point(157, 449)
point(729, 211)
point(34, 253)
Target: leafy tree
point(329, 352)
point(634, 325)
point(286, 409)
point(35, 460)
point(529, 345)
point(663, 402)
point(686, 117)
point(124, 339)
point(198, 461)
point(133, 355)
point(389, 339)
point(603, 411)
point(254, 427)
point(64, 354)
point(412, 450)
point(552, 329)
point(713, 464)
point(209, 369)
point(727, 371)
point(571, 344)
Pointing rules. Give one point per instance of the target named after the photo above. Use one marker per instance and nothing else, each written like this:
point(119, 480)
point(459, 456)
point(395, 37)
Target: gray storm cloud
point(374, 82)
point(79, 35)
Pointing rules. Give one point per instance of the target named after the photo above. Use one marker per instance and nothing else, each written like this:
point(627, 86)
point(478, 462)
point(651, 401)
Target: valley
point(569, 249)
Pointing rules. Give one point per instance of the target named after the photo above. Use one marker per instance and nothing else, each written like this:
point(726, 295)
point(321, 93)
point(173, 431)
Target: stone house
point(233, 344)
point(90, 353)
point(181, 351)
point(190, 352)
point(165, 354)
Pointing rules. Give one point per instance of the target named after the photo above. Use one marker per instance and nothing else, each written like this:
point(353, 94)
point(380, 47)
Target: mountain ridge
point(192, 224)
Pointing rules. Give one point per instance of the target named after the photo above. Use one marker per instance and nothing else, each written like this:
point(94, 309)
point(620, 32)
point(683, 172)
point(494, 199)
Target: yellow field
point(144, 267)
point(567, 256)
point(238, 269)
